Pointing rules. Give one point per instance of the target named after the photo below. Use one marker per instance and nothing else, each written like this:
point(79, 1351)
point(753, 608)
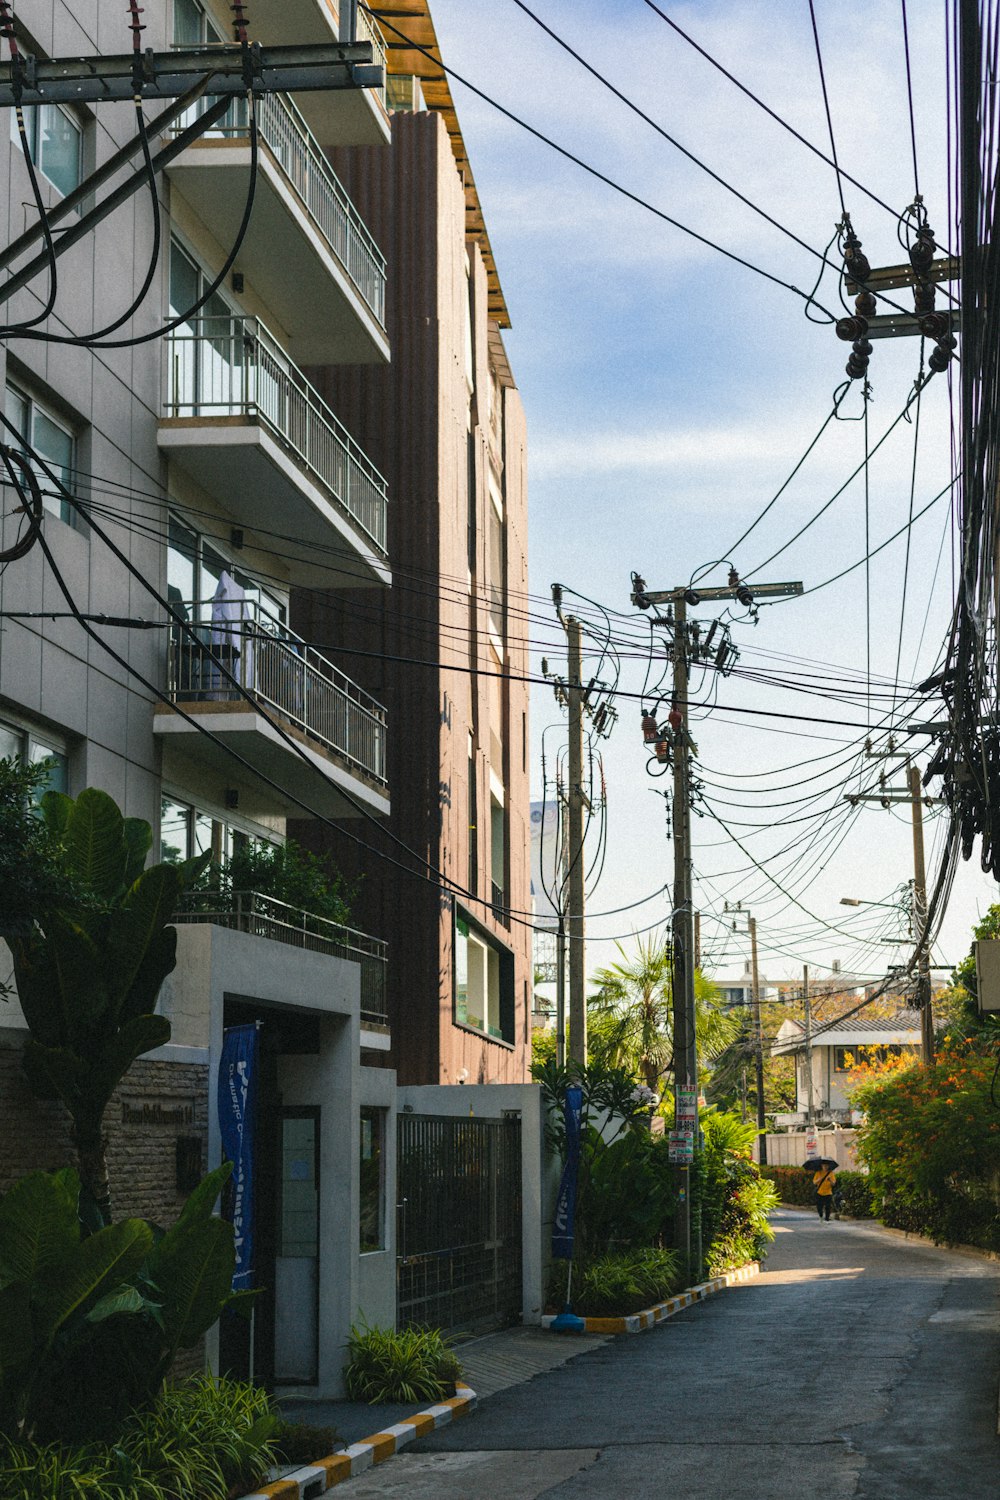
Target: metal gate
point(459, 1222)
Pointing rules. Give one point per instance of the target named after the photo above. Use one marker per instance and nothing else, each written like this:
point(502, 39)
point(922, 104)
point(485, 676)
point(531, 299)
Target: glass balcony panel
point(231, 366)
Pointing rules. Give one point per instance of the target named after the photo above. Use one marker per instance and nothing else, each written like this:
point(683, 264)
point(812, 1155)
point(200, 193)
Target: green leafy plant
point(206, 1438)
point(618, 1284)
point(302, 1442)
point(89, 1326)
point(625, 1193)
point(88, 975)
point(413, 1364)
point(33, 875)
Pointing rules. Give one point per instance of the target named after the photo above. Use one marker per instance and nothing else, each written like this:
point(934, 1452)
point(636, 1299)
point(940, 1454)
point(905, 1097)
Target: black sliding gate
point(459, 1222)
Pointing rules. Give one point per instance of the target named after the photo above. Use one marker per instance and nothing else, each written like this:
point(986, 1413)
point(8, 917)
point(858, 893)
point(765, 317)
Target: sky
point(669, 392)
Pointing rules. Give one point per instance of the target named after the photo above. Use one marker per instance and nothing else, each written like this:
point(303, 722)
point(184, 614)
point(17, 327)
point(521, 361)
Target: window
point(498, 840)
point(472, 872)
point(206, 370)
point(372, 1216)
point(484, 982)
point(48, 435)
point(186, 831)
point(55, 140)
point(195, 564)
point(26, 744)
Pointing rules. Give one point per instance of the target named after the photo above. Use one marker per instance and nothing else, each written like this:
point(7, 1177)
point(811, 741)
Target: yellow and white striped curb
point(650, 1316)
point(316, 1478)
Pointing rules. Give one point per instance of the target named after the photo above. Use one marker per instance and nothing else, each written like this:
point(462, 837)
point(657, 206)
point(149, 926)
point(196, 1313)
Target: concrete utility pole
point(561, 992)
point(913, 795)
point(920, 917)
point(807, 1008)
point(681, 746)
point(577, 868)
point(758, 1043)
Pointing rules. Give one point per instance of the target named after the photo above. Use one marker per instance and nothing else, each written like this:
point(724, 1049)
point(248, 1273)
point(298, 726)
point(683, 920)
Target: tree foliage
point(630, 1022)
point(89, 971)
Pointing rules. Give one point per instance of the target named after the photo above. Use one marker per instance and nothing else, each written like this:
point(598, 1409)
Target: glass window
point(484, 982)
point(38, 750)
point(372, 1217)
point(57, 147)
point(55, 140)
point(50, 438)
point(182, 547)
point(299, 1222)
point(175, 831)
point(188, 24)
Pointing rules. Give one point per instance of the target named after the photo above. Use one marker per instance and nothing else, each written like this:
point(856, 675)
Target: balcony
point(247, 425)
point(339, 117)
point(308, 254)
point(337, 755)
point(263, 916)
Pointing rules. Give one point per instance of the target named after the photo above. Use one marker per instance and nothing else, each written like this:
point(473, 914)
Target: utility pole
point(807, 1008)
point(561, 992)
point(577, 869)
point(920, 918)
point(914, 795)
point(758, 1043)
point(697, 940)
point(688, 645)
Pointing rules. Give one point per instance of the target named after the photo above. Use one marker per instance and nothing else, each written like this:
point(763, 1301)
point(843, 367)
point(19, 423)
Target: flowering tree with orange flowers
point(931, 1142)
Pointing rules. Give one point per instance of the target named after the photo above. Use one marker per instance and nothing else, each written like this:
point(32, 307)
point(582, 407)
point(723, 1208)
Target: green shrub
point(795, 1186)
point(302, 1443)
point(89, 1326)
point(744, 1231)
point(203, 1438)
point(625, 1195)
point(617, 1284)
point(415, 1364)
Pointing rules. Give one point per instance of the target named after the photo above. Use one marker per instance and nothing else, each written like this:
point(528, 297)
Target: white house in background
point(737, 989)
point(835, 1053)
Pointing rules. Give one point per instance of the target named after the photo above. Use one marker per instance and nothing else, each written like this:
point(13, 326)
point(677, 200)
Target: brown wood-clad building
point(443, 648)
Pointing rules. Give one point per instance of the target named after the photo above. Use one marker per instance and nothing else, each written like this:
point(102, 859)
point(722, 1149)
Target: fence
point(226, 366)
point(274, 666)
point(263, 916)
point(459, 1261)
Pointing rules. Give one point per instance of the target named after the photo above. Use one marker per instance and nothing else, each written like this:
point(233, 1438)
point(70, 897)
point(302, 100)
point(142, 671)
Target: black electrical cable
point(578, 161)
point(826, 106)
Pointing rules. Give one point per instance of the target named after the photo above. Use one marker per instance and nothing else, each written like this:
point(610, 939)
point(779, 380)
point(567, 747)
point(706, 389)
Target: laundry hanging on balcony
point(231, 639)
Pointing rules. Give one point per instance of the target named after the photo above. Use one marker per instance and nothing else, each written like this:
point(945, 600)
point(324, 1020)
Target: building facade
point(445, 649)
point(213, 478)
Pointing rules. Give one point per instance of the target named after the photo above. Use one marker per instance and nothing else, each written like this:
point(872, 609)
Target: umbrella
point(818, 1163)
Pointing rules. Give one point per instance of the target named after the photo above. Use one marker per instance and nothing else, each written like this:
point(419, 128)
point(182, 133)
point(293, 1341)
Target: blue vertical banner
point(562, 1226)
point(237, 1122)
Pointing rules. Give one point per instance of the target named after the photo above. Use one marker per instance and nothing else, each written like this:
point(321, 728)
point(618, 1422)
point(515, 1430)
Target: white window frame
point(36, 744)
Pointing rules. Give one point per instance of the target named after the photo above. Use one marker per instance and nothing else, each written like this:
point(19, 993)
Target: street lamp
point(856, 901)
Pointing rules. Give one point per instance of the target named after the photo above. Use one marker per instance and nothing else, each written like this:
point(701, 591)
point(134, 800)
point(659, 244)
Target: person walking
point(824, 1181)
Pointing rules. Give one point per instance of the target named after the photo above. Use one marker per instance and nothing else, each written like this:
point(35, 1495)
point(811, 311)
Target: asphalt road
point(859, 1366)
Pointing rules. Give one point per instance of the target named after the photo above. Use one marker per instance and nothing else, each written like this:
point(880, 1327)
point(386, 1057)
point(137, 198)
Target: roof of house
point(902, 1028)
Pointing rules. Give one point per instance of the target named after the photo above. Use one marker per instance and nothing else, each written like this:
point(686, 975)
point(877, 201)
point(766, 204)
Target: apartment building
point(444, 649)
point(219, 478)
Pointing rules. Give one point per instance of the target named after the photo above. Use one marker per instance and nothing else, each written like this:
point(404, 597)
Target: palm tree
point(630, 1021)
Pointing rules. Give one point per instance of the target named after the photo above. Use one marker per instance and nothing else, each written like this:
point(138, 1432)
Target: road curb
point(319, 1477)
point(649, 1317)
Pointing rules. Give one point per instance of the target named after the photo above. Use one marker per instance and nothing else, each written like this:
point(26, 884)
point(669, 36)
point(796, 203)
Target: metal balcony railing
point(497, 902)
point(368, 30)
point(324, 198)
point(277, 669)
point(230, 366)
point(263, 916)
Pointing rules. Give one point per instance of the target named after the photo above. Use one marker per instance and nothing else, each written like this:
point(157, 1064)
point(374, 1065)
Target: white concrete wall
point(488, 1101)
point(789, 1150)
